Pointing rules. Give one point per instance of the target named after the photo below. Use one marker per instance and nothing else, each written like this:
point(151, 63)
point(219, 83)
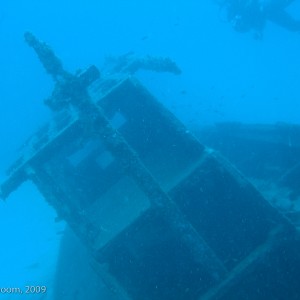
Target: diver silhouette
point(252, 15)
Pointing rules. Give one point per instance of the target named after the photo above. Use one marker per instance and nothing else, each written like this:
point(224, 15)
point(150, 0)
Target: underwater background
point(226, 77)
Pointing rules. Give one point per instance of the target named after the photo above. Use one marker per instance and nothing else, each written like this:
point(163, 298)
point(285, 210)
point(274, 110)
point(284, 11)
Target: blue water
point(226, 76)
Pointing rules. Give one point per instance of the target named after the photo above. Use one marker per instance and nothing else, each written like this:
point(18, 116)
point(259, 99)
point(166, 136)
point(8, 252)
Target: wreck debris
point(130, 64)
point(51, 63)
point(69, 89)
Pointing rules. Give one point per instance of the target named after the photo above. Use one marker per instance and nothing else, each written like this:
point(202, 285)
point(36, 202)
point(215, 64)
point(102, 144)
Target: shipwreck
point(161, 215)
